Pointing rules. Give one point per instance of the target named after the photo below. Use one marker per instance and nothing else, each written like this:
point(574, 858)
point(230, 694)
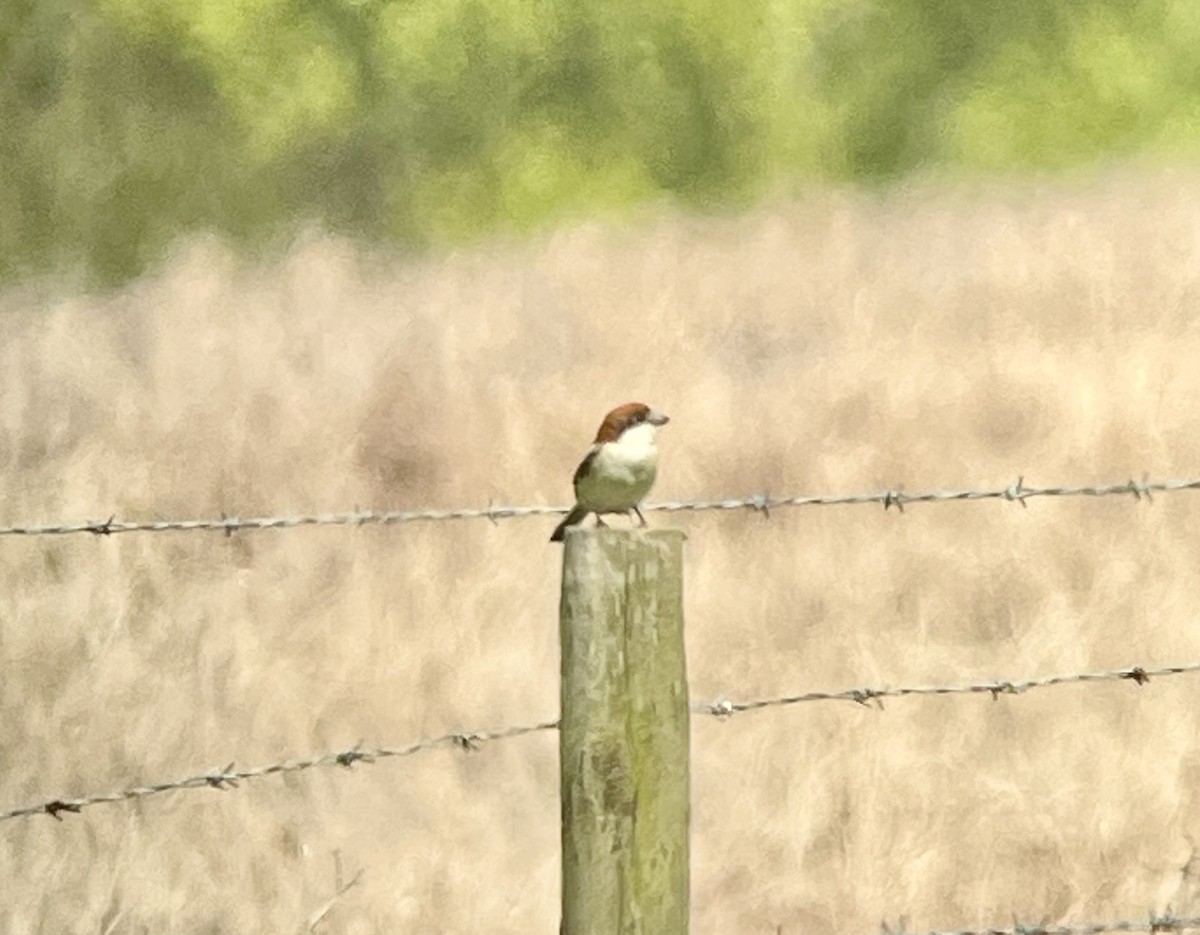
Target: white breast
point(622, 472)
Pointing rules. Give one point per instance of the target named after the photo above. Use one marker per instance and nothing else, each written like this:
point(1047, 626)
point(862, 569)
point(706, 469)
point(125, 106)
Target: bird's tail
point(577, 515)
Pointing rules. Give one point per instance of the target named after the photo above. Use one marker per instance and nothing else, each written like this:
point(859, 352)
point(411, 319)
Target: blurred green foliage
point(126, 122)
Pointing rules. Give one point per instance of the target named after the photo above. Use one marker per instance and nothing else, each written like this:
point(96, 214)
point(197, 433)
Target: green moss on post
point(624, 738)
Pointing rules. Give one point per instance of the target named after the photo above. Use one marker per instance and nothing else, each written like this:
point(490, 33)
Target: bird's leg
point(600, 521)
point(641, 518)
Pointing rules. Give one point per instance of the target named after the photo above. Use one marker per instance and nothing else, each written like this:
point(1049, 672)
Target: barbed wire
point(1137, 674)
point(229, 777)
point(761, 503)
point(1153, 923)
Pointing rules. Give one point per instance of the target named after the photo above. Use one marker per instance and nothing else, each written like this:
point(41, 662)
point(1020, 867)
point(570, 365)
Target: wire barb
point(468, 742)
point(101, 529)
point(58, 805)
point(349, 757)
point(225, 779)
point(1017, 492)
point(762, 503)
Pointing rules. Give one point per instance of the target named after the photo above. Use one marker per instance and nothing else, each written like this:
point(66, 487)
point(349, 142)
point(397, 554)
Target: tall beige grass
point(924, 339)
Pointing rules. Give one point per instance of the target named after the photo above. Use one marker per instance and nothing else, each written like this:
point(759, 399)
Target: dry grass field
point(926, 338)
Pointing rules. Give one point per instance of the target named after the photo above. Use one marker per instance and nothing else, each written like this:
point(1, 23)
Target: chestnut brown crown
point(626, 417)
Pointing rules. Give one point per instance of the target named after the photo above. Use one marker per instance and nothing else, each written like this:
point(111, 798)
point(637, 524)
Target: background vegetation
point(126, 122)
point(939, 338)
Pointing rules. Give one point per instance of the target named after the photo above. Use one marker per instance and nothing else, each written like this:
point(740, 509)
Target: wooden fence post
point(624, 738)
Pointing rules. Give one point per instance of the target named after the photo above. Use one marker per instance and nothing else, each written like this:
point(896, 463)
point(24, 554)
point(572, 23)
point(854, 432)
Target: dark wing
point(585, 466)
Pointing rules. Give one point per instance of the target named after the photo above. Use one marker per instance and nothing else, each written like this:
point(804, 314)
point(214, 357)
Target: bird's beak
point(657, 418)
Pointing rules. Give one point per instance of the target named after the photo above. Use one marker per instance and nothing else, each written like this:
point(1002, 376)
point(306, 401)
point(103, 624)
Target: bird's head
point(636, 417)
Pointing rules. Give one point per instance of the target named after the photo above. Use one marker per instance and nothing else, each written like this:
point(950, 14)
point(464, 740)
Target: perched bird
point(619, 468)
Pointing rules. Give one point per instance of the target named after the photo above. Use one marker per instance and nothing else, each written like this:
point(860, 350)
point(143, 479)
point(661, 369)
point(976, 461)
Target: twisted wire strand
point(1153, 923)
point(762, 503)
point(1137, 674)
point(229, 777)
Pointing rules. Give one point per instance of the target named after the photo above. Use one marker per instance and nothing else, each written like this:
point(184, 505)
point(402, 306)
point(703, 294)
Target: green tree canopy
point(127, 122)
